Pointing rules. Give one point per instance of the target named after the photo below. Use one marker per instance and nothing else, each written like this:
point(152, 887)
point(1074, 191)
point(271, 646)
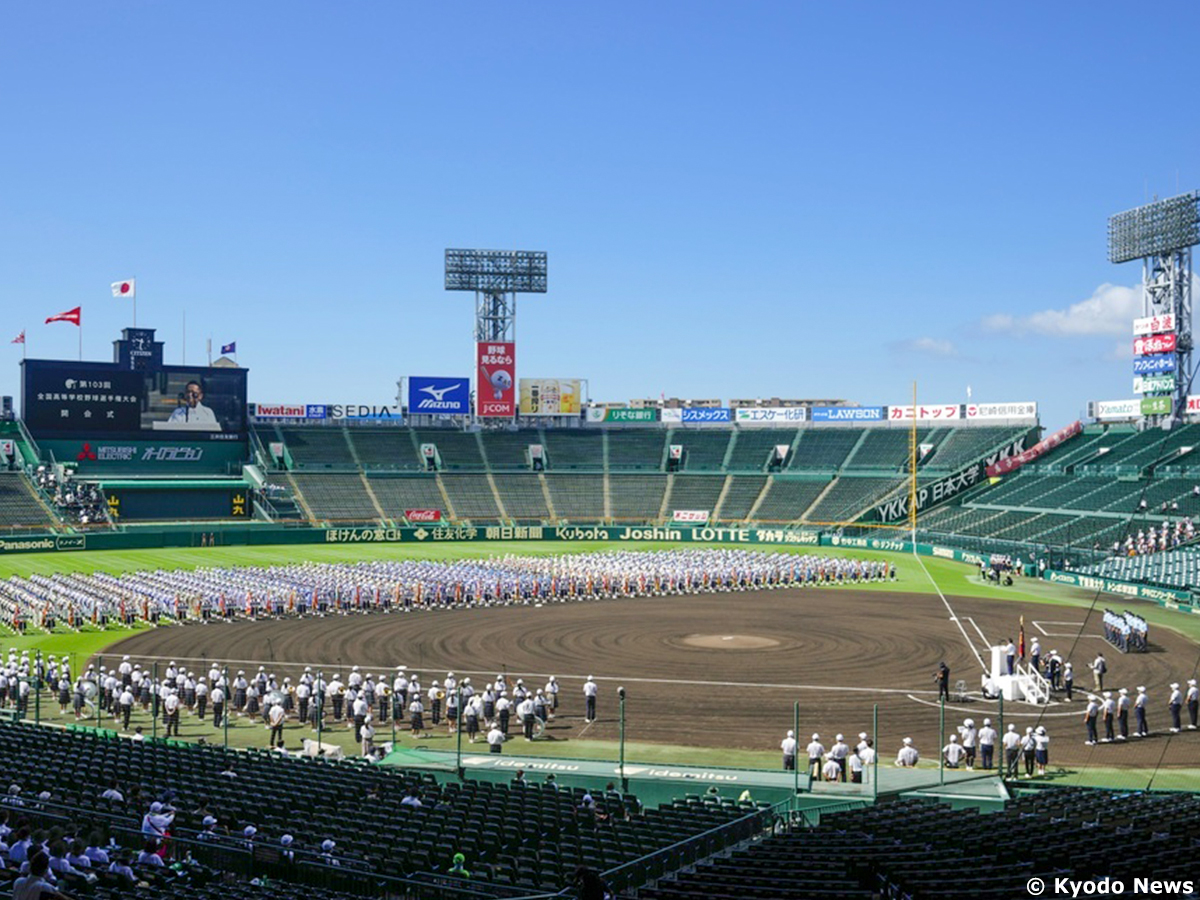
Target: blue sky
point(737, 199)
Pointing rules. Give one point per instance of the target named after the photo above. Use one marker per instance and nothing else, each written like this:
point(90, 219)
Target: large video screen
point(89, 398)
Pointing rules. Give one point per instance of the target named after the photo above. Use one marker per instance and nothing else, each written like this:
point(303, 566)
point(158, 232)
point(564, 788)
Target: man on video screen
point(192, 412)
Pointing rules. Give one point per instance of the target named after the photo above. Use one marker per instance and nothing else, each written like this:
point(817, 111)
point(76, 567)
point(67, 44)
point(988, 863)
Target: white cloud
point(928, 346)
point(1110, 310)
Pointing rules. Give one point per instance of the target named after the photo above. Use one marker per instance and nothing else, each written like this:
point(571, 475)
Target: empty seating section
point(703, 450)
point(19, 507)
point(696, 492)
point(915, 849)
point(457, 449)
point(741, 496)
point(963, 446)
point(337, 497)
point(1083, 448)
point(385, 448)
point(1023, 489)
point(883, 448)
point(787, 499)
point(522, 496)
point(1153, 446)
point(396, 495)
point(640, 449)
point(824, 449)
point(753, 446)
point(636, 497)
point(517, 840)
point(577, 449)
point(471, 496)
point(317, 447)
point(861, 455)
point(577, 497)
point(848, 497)
point(507, 450)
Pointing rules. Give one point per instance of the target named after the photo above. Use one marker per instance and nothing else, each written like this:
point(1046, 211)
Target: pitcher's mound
point(728, 641)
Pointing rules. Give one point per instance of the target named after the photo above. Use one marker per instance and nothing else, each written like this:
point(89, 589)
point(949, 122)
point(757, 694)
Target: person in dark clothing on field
point(942, 677)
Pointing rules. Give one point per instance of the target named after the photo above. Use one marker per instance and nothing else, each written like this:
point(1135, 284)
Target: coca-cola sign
point(1158, 343)
point(423, 515)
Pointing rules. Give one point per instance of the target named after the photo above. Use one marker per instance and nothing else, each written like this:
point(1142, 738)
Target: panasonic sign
point(438, 396)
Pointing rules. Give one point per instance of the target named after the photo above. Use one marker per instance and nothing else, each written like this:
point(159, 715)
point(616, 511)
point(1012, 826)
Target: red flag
point(71, 315)
point(20, 338)
point(1021, 640)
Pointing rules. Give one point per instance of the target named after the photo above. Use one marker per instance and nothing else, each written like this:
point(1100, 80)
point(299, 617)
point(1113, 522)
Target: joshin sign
point(496, 368)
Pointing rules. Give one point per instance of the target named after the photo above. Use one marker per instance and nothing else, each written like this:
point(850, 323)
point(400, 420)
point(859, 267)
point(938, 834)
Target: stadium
point(493, 642)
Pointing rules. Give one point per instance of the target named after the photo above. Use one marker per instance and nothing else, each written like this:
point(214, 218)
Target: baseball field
point(710, 679)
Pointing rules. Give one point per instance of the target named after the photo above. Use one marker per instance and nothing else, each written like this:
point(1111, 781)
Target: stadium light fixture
point(1155, 229)
point(496, 271)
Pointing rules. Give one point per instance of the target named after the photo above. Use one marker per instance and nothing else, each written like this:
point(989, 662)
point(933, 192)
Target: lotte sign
point(1159, 343)
point(496, 366)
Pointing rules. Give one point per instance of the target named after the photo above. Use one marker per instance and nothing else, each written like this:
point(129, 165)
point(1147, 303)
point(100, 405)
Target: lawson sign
point(849, 413)
point(438, 396)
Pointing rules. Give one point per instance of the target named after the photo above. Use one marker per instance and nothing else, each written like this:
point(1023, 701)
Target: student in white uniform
point(788, 746)
point(953, 752)
point(908, 755)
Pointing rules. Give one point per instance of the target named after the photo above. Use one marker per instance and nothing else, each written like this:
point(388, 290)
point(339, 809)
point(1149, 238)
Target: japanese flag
point(123, 289)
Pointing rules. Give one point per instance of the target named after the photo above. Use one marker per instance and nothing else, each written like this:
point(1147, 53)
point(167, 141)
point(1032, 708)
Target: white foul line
point(949, 609)
point(982, 637)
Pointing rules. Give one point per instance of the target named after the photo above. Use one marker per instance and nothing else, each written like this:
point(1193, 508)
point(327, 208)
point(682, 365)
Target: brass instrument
point(441, 695)
point(386, 691)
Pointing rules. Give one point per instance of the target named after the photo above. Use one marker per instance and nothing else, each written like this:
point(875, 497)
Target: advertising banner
point(103, 455)
point(1156, 406)
point(671, 415)
point(1116, 409)
point(976, 411)
point(1152, 384)
point(339, 411)
point(1154, 324)
point(930, 495)
point(849, 413)
point(771, 415)
point(1157, 343)
point(1154, 365)
point(495, 379)
point(1193, 403)
point(423, 515)
point(621, 414)
point(550, 396)
point(439, 396)
point(1014, 462)
point(699, 516)
point(942, 413)
point(707, 415)
point(280, 411)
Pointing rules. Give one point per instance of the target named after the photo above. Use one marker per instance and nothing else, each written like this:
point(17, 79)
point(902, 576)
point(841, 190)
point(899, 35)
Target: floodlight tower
point(1161, 235)
point(496, 277)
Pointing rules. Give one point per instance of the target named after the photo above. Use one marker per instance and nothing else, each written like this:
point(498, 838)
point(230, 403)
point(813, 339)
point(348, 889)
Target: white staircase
point(1033, 686)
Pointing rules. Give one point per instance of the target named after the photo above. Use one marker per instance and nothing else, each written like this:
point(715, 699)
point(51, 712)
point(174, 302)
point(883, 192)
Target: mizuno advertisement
point(439, 396)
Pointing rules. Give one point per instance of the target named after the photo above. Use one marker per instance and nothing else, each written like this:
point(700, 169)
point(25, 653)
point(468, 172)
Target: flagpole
point(210, 353)
point(134, 280)
point(185, 337)
point(81, 339)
